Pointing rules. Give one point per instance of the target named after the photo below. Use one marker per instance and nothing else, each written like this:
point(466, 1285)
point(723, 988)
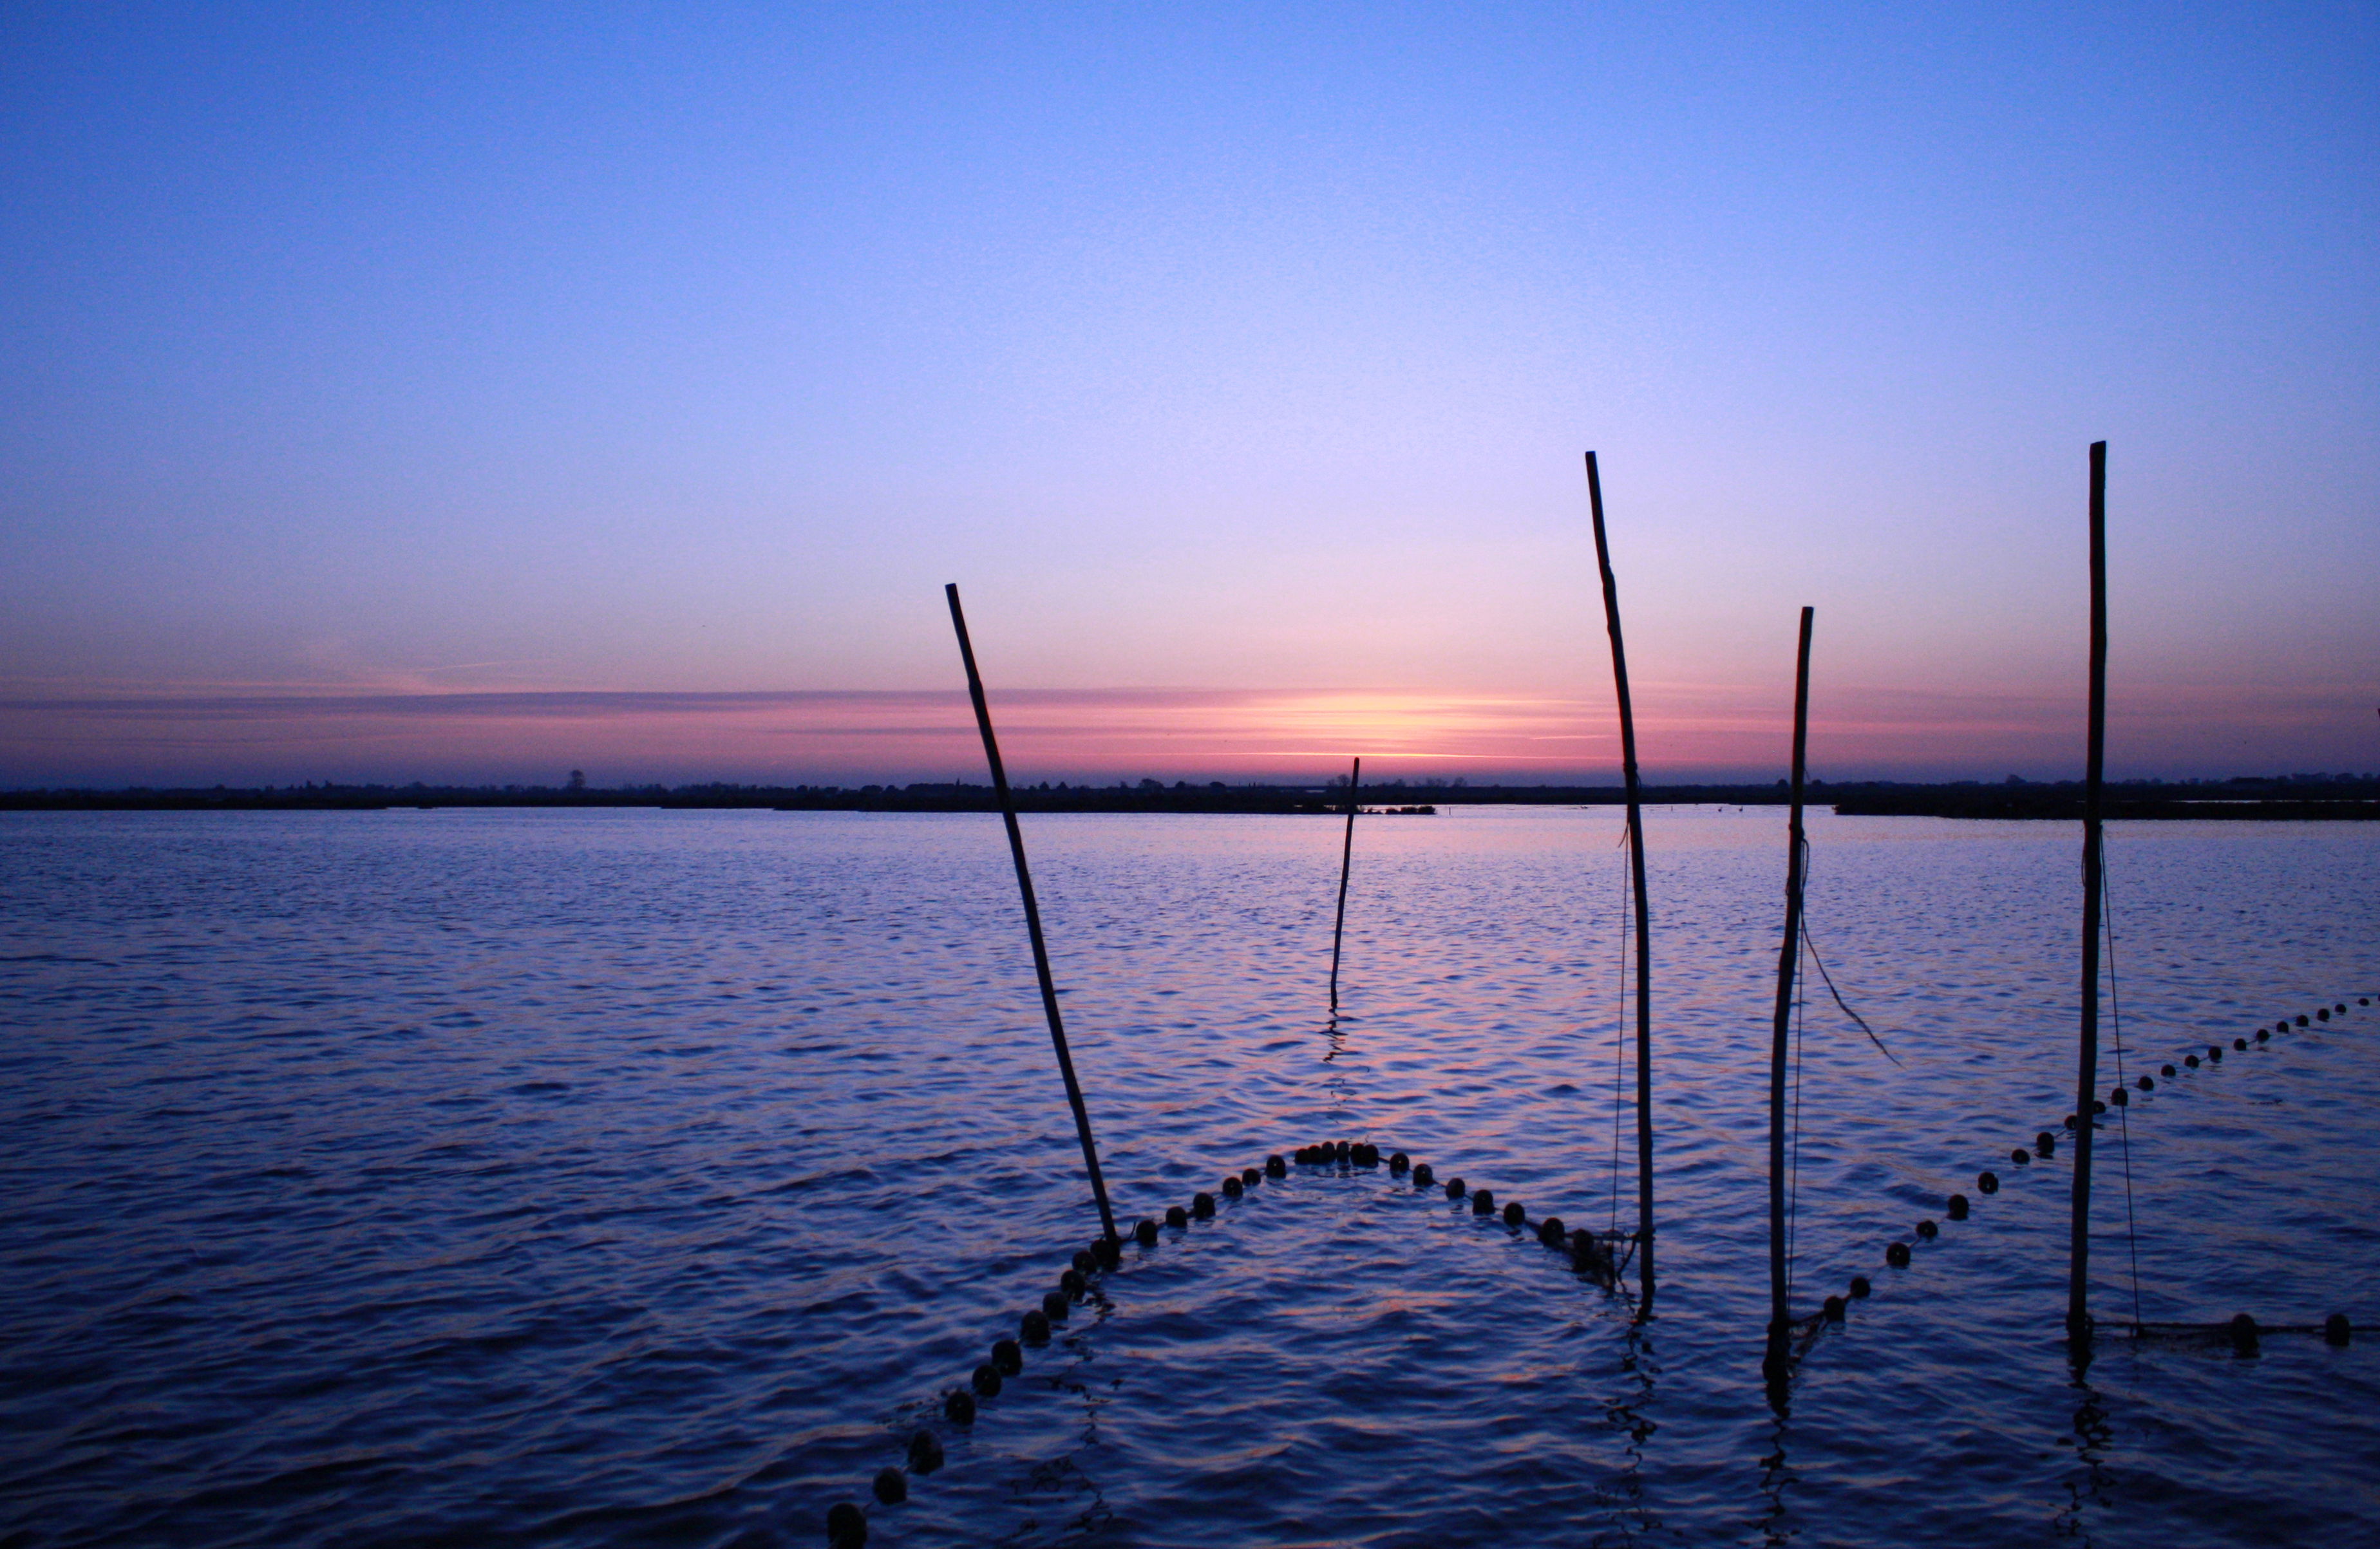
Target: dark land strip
point(2292, 798)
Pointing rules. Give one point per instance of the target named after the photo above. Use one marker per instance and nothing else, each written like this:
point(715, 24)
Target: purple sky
point(476, 392)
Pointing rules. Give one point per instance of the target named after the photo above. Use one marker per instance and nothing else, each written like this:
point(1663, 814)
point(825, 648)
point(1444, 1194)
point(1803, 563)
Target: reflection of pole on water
point(1032, 913)
point(2086, 1082)
point(1778, 1358)
point(1644, 910)
point(1629, 1414)
point(1777, 1477)
point(1346, 861)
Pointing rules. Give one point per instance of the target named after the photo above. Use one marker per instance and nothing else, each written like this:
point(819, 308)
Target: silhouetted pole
point(1644, 910)
point(1032, 914)
point(1346, 861)
point(1789, 959)
point(2086, 1080)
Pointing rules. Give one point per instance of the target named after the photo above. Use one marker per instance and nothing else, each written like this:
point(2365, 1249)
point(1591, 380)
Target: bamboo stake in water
point(1644, 910)
point(1032, 914)
point(2086, 1082)
point(1346, 861)
point(1789, 959)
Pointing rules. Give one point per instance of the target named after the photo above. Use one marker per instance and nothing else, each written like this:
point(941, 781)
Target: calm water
point(630, 1177)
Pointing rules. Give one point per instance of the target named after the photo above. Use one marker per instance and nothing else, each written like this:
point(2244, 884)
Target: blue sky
point(1217, 352)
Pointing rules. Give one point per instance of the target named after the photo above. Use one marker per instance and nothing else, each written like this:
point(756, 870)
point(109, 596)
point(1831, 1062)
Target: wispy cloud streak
point(842, 735)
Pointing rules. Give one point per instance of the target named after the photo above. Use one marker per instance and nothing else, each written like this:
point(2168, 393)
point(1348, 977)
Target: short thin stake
point(1346, 861)
point(1032, 914)
point(1644, 909)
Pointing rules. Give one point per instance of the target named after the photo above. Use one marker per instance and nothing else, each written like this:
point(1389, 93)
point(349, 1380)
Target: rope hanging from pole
point(1820, 963)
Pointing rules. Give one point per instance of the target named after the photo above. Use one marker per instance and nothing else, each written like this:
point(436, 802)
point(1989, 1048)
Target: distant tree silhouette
point(578, 781)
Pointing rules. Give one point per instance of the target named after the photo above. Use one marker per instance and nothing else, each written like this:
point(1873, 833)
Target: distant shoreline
point(2244, 799)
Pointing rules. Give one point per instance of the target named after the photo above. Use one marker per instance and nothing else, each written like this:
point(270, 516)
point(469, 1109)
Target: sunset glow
point(1687, 731)
point(482, 400)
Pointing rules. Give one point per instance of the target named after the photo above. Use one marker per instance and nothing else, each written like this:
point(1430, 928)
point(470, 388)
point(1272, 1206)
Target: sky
point(477, 391)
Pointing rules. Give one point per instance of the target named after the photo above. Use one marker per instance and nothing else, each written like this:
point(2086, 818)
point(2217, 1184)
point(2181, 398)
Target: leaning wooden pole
point(1346, 862)
point(1789, 959)
point(1032, 914)
point(2086, 1080)
point(1644, 910)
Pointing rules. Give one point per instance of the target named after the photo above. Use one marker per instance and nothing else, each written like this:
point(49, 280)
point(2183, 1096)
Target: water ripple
point(619, 1178)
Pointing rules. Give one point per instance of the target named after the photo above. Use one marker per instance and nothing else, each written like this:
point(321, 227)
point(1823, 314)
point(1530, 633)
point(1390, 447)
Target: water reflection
point(1776, 1478)
point(1629, 1414)
point(1337, 1083)
point(2091, 1437)
point(1061, 1481)
point(711, 1138)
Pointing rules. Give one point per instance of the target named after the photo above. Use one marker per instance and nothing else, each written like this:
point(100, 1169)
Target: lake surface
point(632, 1178)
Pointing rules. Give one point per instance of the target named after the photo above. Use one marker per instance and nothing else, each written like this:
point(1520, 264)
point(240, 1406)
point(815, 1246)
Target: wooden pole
point(2086, 1080)
point(1789, 959)
point(1644, 910)
point(1346, 861)
point(1032, 915)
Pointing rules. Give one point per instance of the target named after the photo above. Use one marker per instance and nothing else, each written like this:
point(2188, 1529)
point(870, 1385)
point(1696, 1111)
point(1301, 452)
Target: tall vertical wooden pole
point(1644, 909)
point(1789, 959)
point(1032, 915)
point(1346, 861)
point(2086, 1080)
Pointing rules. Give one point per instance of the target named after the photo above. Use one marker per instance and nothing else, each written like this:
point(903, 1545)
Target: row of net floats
point(2241, 1331)
point(1602, 1257)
